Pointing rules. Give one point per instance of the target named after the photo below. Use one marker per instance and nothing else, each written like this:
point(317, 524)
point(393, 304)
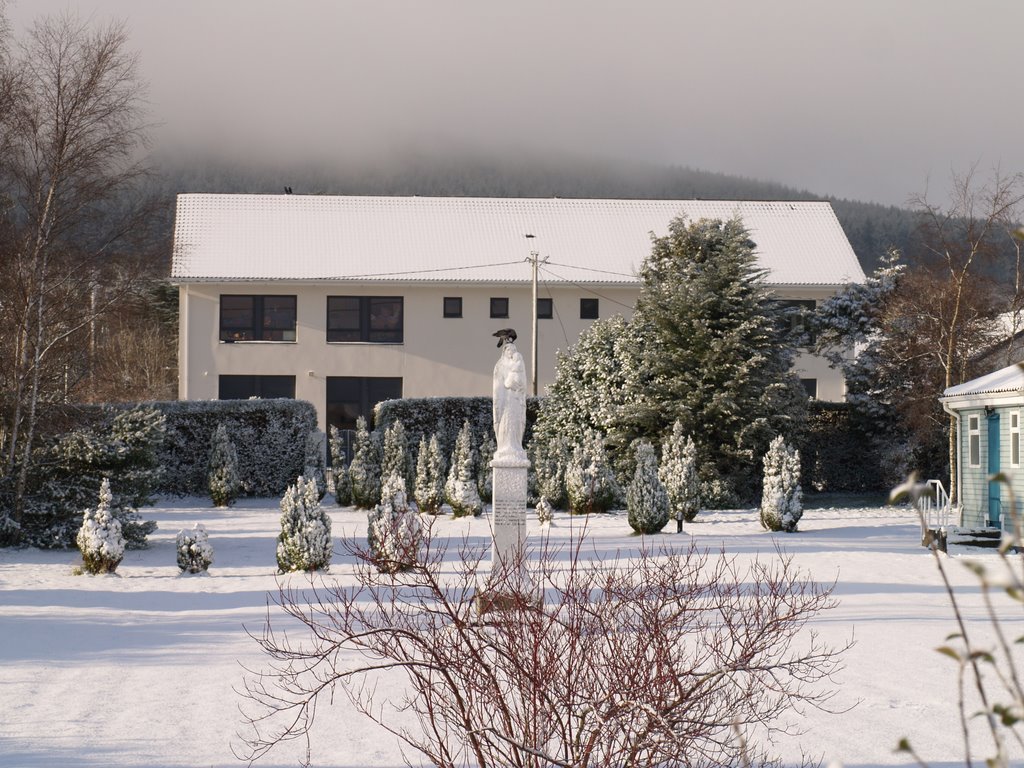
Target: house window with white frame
point(1014, 438)
point(974, 440)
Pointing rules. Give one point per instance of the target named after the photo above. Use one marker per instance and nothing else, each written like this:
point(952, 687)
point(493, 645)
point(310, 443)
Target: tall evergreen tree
point(716, 355)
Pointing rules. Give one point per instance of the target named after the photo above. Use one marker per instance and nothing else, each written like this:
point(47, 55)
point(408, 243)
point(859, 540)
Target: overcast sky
point(866, 99)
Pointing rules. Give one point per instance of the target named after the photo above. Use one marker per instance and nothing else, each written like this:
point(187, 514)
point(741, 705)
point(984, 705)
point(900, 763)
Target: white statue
point(509, 399)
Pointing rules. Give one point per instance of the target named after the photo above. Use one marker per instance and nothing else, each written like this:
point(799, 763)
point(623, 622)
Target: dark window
point(545, 309)
point(257, 318)
point(810, 387)
point(266, 387)
point(365, 318)
point(453, 306)
point(349, 397)
point(499, 307)
point(589, 309)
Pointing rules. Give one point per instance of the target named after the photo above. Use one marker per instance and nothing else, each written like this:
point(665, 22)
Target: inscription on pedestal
point(508, 516)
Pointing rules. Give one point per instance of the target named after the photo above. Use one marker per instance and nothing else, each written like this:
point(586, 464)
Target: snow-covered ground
point(141, 668)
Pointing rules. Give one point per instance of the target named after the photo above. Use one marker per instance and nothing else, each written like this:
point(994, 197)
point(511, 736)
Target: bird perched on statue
point(505, 335)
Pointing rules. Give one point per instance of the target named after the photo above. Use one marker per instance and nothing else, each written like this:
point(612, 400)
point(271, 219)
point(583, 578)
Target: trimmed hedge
point(269, 437)
point(838, 451)
point(444, 416)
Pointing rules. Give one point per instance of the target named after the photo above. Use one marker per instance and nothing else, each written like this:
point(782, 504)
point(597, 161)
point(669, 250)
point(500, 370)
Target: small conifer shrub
point(396, 456)
point(430, 476)
point(339, 470)
point(195, 554)
point(394, 534)
point(223, 479)
point(305, 541)
point(364, 471)
point(678, 473)
point(484, 472)
point(589, 480)
point(315, 466)
point(646, 499)
point(99, 539)
point(460, 490)
point(545, 512)
point(781, 497)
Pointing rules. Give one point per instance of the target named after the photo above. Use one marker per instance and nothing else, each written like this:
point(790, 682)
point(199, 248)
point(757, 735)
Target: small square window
point(499, 307)
point(589, 309)
point(453, 306)
point(810, 387)
point(545, 309)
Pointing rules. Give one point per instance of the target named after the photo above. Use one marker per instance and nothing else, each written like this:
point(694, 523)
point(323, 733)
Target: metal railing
point(935, 507)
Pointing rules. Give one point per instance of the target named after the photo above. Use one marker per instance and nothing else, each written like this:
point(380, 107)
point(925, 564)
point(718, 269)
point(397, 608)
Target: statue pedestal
point(508, 516)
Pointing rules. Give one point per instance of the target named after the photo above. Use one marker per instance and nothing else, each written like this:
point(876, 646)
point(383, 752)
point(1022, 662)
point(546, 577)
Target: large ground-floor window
point(267, 387)
point(349, 397)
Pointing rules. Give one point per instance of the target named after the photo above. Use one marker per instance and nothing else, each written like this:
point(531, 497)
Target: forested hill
point(871, 228)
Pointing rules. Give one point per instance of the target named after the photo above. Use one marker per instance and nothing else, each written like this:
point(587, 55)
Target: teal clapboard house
point(988, 412)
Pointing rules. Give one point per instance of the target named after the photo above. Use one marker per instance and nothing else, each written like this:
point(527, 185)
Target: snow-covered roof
point(1006, 380)
point(472, 239)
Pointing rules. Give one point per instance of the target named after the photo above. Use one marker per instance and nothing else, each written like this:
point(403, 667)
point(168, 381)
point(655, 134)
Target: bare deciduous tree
point(72, 132)
point(959, 239)
point(668, 659)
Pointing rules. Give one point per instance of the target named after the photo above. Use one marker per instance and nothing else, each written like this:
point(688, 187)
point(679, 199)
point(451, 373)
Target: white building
point(345, 301)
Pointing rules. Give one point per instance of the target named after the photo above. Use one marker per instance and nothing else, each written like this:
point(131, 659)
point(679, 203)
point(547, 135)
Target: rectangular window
point(349, 397)
point(974, 440)
point(589, 309)
point(810, 387)
point(265, 387)
point(1014, 438)
point(257, 318)
point(376, 319)
point(453, 306)
point(499, 307)
point(545, 309)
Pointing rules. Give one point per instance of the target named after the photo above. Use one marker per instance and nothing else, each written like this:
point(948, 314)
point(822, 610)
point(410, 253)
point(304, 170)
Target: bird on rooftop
point(505, 335)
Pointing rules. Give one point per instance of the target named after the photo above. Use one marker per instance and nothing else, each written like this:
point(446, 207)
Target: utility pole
point(534, 260)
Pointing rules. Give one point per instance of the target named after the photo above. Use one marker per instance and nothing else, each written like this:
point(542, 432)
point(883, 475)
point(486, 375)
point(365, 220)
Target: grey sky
point(871, 99)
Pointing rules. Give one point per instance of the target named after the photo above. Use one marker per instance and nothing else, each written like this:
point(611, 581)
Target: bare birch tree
point(961, 240)
point(72, 134)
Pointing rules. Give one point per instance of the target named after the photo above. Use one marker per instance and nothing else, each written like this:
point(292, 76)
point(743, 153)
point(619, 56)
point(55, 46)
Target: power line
point(428, 271)
point(631, 275)
point(587, 289)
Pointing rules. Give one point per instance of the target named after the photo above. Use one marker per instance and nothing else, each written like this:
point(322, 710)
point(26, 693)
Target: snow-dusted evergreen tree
point(460, 489)
point(316, 467)
point(484, 473)
point(99, 539)
point(430, 476)
point(364, 471)
point(678, 473)
point(545, 512)
point(195, 554)
point(590, 484)
point(339, 470)
point(716, 355)
point(646, 498)
point(394, 534)
point(588, 391)
point(304, 543)
point(223, 479)
point(781, 497)
point(548, 462)
point(396, 456)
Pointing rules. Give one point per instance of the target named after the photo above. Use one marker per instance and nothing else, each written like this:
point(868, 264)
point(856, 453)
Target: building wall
point(439, 356)
point(974, 484)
